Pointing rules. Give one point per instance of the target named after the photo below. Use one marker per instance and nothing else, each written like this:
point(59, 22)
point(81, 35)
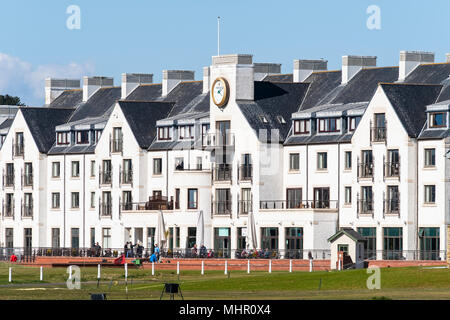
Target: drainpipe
point(64, 202)
point(416, 236)
point(167, 174)
point(307, 173)
point(339, 186)
point(84, 200)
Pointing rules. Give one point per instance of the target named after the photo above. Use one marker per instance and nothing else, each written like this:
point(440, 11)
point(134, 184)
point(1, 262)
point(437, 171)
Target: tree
point(10, 100)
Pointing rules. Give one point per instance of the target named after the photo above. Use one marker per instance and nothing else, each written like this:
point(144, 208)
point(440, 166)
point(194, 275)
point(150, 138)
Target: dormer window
point(438, 119)
point(263, 119)
point(62, 138)
point(281, 120)
point(301, 126)
point(186, 132)
point(329, 125)
point(164, 133)
point(82, 137)
point(353, 123)
point(97, 134)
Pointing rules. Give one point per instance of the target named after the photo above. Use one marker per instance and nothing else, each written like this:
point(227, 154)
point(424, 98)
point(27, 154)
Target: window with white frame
point(164, 133)
point(430, 157)
point(301, 126)
point(322, 163)
point(92, 199)
point(75, 169)
point(348, 160)
point(294, 161)
point(348, 195)
point(62, 138)
point(82, 137)
point(353, 123)
point(75, 200)
point(186, 132)
point(55, 200)
point(55, 169)
point(157, 166)
point(438, 119)
point(329, 125)
point(430, 194)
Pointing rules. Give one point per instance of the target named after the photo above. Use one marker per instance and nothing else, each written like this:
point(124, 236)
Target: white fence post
point(10, 274)
point(339, 265)
point(98, 272)
point(153, 268)
point(70, 272)
point(126, 271)
point(270, 266)
point(41, 276)
point(290, 265)
point(310, 265)
point(248, 266)
point(178, 267)
point(226, 266)
point(203, 267)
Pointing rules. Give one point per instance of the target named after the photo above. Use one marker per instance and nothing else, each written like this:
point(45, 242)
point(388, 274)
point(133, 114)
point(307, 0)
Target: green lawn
point(396, 283)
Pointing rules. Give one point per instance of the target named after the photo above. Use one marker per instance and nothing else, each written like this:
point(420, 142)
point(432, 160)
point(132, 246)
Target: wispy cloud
point(21, 78)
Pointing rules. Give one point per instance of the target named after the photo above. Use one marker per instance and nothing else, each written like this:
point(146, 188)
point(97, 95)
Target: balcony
point(378, 134)
point(392, 206)
point(106, 177)
point(27, 211)
point(27, 180)
point(218, 140)
point(392, 169)
point(106, 210)
point(245, 206)
point(245, 172)
point(298, 204)
point(222, 172)
point(18, 149)
point(153, 204)
point(116, 145)
point(222, 207)
point(365, 170)
point(365, 207)
point(8, 210)
point(8, 180)
point(127, 177)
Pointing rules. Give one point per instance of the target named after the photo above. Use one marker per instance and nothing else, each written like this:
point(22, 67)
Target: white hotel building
point(306, 153)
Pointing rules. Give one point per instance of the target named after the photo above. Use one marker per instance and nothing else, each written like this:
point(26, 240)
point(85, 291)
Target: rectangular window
point(370, 246)
point(92, 168)
point(106, 238)
point(127, 200)
point(430, 157)
point(294, 242)
point(55, 200)
point(392, 243)
point(430, 194)
point(177, 198)
point(62, 138)
point(301, 126)
point(82, 137)
point(294, 161)
point(329, 125)
point(348, 195)
point(321, 198)
point(164, 133)
point(348, 160)
point(92, 199)
point(192, 198)
point(294, 198)
point(75, 199)
point(75, 169)
point(179, 163)
point(322, 163)
point(92, 237)
point(269, 240)
point(117, 142)
point(192, 237)
point(199, 164)
point(55, 169)
point(438, 119)
point(186, 132)
point(429, 243)
point(55, 238)
point(75, 237)
point(9, 237)
point(157, 166)
point(353, 123)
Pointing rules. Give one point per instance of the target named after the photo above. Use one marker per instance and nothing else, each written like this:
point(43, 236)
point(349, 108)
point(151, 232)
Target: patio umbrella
point(161, 231)
point(200, 235)
point(251, 231)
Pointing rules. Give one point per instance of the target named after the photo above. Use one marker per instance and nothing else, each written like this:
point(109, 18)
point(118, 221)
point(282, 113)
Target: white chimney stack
point(131, 81)
point(206, 79)
point(409, 60)
point(92, 84)
point(261, 70)
point(304, 68)
point(54, 87)
point(351, 65)
point(171, 78)
point(448, 57)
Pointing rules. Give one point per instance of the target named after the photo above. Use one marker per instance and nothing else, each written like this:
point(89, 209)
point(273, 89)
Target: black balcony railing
point(218, 139)
point(28, 180)
point(222, 172)
point(106, 209)
point(127, 177)
point(222, 207)
point(106, 177)
point(245, 206)
point(365, 170)
point(154, 203)
point(378, 134)
point(391, 169)
point(9, 180)
point(365, 207)
point(27, 211)
point(392, 206)
point(18, 149)
point(245, 172)
point(116, 145)
point(298, 204)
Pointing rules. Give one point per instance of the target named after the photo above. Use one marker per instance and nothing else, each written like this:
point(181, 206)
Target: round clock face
point(220, 92)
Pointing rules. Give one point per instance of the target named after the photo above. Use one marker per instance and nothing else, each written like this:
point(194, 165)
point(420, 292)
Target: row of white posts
point(41, 273)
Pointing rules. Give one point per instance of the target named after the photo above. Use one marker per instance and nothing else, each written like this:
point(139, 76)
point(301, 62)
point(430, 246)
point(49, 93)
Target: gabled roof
point(322, 83)
point(352, 234)
point(279, 78)
point(68, 99)
point(142, 116)
point(409, 102)
point(146, 92)
point(433, 73)
point(182, 95)
point(42, 122)
point(273, 100)
point(99, 104)
point(444, 95)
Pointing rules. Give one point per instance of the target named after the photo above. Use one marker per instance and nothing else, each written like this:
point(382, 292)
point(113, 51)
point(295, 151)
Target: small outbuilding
point(347, 247)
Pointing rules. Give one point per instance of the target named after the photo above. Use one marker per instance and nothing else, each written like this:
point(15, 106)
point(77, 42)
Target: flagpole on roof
point(218, 36)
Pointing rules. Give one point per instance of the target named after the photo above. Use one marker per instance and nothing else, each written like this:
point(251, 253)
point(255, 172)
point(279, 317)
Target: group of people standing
point(133, 250)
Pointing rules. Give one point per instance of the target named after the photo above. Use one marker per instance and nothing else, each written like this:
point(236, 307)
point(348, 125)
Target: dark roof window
point(263, 119)
point(329, 125)
point(301, 126)
point(82, 137)
point(62, 138)
point(438, 119)
point(281, 119)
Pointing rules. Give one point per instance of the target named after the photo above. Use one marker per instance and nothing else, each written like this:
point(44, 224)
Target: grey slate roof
point(272, 100)
point(171, 145)
point(279, 78)
point(99, 104)
point(142, 117)
point(146, 92)
point(356, 236)
point(42, 123)
point(444, 95)
point(409, 102)
point(434, 134)
point(73, 149)
point(322, 83)
point(182, 94)
point(433, 73)
point(68, 99)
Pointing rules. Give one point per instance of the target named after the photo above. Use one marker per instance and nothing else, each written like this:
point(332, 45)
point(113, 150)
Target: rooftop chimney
point(171, 78)
point(131, 81)
point(261, 70)
point(54, 87)
point(304, 68)
point(409, 60)
point(448, 57)
point(92, 84)
point(206, 79)
point(351, 65)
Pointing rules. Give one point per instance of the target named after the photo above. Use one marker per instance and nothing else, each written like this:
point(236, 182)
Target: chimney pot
point(92, 84)
point(131, 81)
point(409, 60)
point(304, 68)
point(206, 79)
point(171, 78)
point(351, 65)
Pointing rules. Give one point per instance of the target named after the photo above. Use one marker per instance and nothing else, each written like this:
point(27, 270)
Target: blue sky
point(148, 36)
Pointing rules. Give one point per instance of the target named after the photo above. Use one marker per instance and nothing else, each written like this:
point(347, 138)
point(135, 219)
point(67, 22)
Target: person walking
point(157, 251)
